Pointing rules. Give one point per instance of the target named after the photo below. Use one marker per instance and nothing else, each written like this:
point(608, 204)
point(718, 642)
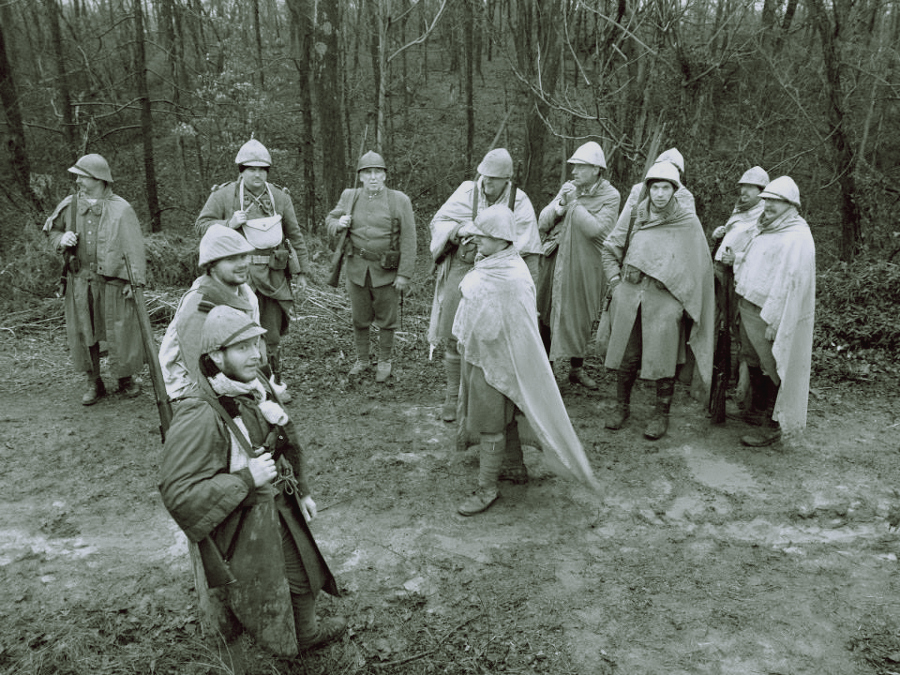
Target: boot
point(513, 469)
point(129, 387)
point(771, 430)
point(453, 366)
point(385, 348)
point(659, 423)
point(361, 338)
point(578, 376)
point(755, 412)
point(312, 633)
point(95, 389)
point(624, 384)
point(491, 457)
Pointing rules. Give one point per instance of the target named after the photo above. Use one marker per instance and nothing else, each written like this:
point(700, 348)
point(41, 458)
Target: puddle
point(716, 473)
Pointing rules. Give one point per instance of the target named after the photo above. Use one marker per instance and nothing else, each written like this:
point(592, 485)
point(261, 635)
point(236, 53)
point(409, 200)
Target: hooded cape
point(779, 275)
point(671, 247)
point(496, 323)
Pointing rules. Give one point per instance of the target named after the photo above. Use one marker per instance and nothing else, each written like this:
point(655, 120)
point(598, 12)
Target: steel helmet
point(371, 160)
point(220, 242)
point(783, 188)
point(755, 176)
point(496, 221)
point(663, 171)
point(253, 153)
point(673, 157)
point(496, 164)
point(92, 166)
point(226, 326)
point(589, 153)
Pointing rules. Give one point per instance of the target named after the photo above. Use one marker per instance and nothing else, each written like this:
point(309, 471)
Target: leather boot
point(129, 387)
point(361, 340)
point(659, 423)
point(513, 469)
point(95, 387)
point(452, 364)
point(312, 633)
point(95, 390)
point(624, 384)
point(385, 349)
point(492, 451)
point(755, 412)
point(770, 432)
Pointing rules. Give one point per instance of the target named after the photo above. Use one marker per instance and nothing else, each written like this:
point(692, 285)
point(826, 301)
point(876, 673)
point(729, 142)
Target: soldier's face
point(240, 361)
point(233, 270)
point(774, 208)
point(585, 175)
point(89, 186)
point(493, 186)
point(661, 192)
point(372, 179)
point(749, 193)
point(255, 177)
point(488, 245)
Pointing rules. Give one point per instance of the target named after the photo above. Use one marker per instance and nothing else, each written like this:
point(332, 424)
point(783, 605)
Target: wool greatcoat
point(452, 262)
point(180, 345)
point(572, 284)
point(95, 307)
point(269, 274)
point(237, 526)
point(379, 224)
point(667, 275)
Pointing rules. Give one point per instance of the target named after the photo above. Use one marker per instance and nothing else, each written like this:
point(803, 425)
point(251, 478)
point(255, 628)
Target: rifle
point(152, 355)
point(337, 258)
point(69, 258)
point(722, 355)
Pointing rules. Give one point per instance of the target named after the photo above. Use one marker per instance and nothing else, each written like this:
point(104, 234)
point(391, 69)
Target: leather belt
point(367, 255)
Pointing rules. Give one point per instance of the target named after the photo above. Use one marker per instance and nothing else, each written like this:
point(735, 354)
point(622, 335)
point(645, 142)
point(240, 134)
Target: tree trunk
point(468, 61)
point(62, 84)
point(140, 68)
point(327, 76)
point(842, 151)
point(303, 31)
point(16, 129)
point(257, 30)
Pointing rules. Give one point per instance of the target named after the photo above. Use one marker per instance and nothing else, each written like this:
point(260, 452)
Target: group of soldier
point(515, 292)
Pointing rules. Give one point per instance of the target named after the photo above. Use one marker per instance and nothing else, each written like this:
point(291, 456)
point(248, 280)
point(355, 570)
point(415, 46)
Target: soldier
point(776, 289)
point(380, 258)
point(225, 262)
point(454, 256)
point(232, 477)
point(663, 298)
point(264, 214)
point(94, 229)
point(572, 284)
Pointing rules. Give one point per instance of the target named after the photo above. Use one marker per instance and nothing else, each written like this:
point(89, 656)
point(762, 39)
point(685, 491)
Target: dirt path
point(699, 556)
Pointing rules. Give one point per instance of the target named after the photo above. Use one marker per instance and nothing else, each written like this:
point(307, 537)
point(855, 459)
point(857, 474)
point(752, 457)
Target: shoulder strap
point(631, 220)
point(229, 422)
point(395, 220)
point(474, 199)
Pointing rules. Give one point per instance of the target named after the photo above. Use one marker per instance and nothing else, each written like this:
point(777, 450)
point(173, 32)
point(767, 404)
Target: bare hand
point(401, 283)
point(302, 283)
point(127, 291)
point(345, 222)
point(68, 239)
point(567, 193)
point(308, 508)
point(262, 469)
point(770, 333)
point(719, 232)
point(728, 256)
point(238, 219)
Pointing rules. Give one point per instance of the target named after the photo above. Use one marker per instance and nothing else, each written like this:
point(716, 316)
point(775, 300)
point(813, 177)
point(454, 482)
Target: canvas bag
point(263, 232)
